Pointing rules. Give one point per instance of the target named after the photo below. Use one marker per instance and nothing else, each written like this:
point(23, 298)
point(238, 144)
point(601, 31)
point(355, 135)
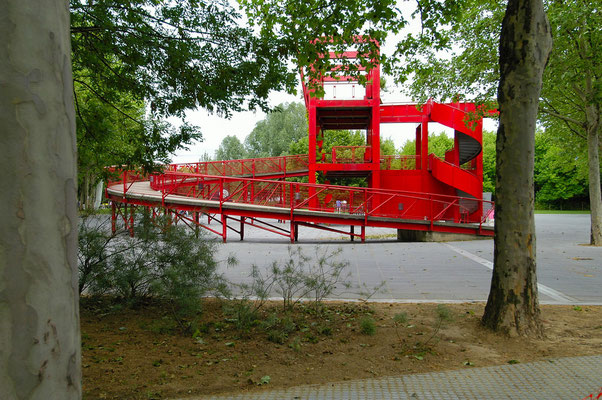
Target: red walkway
point(236, 193)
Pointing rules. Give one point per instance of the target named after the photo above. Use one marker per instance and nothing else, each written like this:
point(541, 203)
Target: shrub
point(301, 276)
point(94, 245)
point(401, 318)
point(160, 261)
point(368, 326)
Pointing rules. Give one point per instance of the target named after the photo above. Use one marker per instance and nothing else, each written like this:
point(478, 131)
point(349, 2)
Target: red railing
point(246, 168)
point(351, 154)
point(396, 162)
point(124, 177)
point(326, 198)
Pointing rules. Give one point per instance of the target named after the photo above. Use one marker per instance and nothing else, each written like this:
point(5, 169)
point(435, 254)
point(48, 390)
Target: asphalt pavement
point(569, 271)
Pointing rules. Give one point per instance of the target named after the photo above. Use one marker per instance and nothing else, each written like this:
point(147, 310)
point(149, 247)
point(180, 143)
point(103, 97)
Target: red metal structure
point(420, 192)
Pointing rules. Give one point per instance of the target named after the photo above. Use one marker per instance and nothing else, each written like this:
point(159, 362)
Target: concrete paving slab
point(560, 378)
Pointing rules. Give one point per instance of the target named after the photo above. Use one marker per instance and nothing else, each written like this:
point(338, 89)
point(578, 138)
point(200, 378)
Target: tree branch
point(101, 97)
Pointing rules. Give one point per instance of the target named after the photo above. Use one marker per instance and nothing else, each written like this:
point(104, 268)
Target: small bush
point(324, 330)
point(444, 314)
point(277, 336)
point(243, 314)
point(401, 318)
point(368, 326)
point(160, 261)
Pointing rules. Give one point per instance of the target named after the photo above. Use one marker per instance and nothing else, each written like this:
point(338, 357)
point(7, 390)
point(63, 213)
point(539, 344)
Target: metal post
point(113, 218)
point(131, 222)
point(242, 228)
point(224, 227)
point(293, 233)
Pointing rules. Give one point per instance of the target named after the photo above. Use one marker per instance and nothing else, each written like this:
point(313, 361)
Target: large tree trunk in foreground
point(525, 44)
point(39, 319)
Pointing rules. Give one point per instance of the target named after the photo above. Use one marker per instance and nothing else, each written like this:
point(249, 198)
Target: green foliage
point(560, 175)
point(443, 315)
point(489, 139)
point(272, 136)
point(302, 276)
point(296, 25)
point(387, 147)
point(243, 313)
point(135, 63)
point(437, 144)
point(94, 243)
point(455, 54)
point(368, 326)
point(160, 261)
point(460, 60)
point(230, 149)
point(175, 55)
point(401, 318)
point(279, 329)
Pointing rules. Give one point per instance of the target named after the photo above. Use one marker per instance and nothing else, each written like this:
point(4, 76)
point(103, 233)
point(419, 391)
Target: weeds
point(368, 326)
point(443, 315)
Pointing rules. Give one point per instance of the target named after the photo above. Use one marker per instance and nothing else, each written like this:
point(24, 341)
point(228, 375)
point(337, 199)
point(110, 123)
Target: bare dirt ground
point(143, 353)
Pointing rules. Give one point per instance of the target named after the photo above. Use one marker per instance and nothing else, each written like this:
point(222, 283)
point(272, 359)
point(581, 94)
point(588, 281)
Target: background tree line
point(561, 177)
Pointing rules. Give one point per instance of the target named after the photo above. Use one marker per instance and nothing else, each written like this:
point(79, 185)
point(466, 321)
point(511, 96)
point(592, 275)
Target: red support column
point(424, 149)
point(313, 130)
point(293, 234)
point(224, 227)
point(113, 218)
point(131, 220)
point(418, 163)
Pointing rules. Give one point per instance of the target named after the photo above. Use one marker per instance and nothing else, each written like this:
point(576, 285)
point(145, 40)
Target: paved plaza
point(569, 272)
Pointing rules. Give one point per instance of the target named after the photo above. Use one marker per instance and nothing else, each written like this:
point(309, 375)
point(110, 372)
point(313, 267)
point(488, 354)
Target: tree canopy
point(308, 29)
point(273, 135)
point(137, 62)
point(175, 56)
point(230, 149)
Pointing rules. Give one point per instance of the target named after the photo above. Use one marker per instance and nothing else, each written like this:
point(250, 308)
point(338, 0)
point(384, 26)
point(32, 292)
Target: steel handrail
point(180, 179)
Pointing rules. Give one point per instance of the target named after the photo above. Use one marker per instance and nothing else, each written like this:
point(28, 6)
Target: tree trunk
point(525, 43)
point(39, 315)
point(593, 153)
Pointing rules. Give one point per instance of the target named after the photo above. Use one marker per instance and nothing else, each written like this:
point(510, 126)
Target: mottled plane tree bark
point(39, 316)
point(525, 45)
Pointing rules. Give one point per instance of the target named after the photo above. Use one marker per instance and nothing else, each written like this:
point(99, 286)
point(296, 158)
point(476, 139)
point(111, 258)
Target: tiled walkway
point(562, 378)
